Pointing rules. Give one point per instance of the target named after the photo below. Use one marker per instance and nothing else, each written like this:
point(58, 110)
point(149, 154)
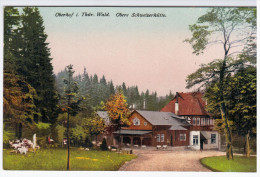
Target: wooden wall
point(142, 121)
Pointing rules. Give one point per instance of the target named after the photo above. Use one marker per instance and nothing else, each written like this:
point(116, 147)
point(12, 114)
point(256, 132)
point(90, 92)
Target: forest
point(35, 97)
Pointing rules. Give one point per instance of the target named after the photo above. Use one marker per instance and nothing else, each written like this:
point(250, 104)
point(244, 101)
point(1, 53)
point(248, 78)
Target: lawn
point(238, 164)
point(56, 159)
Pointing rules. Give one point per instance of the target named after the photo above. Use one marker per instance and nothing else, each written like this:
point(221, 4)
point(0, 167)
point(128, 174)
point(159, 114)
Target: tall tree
point(118, 112)
point(33, 58)
point(11, 22)
point(19, 106)
point(232, 28)
point(72, 105)
point(242, 103)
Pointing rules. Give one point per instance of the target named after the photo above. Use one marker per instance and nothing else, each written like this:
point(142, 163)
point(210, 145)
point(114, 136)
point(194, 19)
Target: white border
point(130, 2)
point(115, 3)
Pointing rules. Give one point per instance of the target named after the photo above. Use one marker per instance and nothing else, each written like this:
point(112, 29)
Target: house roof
point(104, 115)
point(177, 127)
point(163, 118)
point(133, 132)
point(189, 104)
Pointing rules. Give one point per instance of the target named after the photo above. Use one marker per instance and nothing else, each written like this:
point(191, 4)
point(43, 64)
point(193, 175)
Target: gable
point(144, 124)
point(189, 104)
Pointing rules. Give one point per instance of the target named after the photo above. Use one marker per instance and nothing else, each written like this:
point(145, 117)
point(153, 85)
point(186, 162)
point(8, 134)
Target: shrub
point(103, 146)
point(89, 144)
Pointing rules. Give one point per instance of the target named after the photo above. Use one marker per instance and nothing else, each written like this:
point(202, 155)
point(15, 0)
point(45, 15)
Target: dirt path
point(149, 160)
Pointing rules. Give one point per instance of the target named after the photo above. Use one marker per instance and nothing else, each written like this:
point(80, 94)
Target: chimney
point(144, 105)
point(177, 104)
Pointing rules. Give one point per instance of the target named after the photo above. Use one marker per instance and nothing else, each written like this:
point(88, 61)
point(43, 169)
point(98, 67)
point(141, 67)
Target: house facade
point(182, 122)
point(154, 128)
point(191, 106)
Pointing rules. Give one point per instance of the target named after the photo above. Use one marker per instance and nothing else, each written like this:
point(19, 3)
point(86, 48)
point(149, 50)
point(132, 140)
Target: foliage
point(95, 124)
point(118, 111)
point(7, 135)
point(33, 61)
point(240, 98)
point(235, 30)
point(53, 159)
point(19, 103)
point(103, 146)
point(88, 144)
point(60, 133)
point(238, 164)
point(96, 91)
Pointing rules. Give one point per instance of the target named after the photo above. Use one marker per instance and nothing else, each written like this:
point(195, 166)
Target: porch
point(133, 138)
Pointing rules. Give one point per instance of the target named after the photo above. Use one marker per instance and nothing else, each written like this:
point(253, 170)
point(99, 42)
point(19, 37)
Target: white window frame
point(158, 138)
point(194, 121)
point(198, 121)
point(183, 137)
point(136, 120)
point(203, 121)
point(211, 121)
point(213, 140)
point(206, 121)
point(162, 137)
point(197, 138)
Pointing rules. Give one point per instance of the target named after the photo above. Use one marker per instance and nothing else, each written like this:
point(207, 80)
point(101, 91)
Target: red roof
point(189, 104)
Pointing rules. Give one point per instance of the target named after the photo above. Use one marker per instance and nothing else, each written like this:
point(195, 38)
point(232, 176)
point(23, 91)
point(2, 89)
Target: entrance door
point(201, 144)
point(171, 141)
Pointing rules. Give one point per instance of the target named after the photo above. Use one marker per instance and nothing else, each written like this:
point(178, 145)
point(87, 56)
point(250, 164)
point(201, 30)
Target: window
point(195, 139)
point(158, 137)
point(136, 121)
point(182, 137)
point(211, 121)
point(206, 121)
point(198, 121)
point(145, 123)
point(202, 121)
point(213, 138)
point(162, 137)
point(194, 121)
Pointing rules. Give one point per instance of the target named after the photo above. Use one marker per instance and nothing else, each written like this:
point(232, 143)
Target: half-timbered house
point(191, 106)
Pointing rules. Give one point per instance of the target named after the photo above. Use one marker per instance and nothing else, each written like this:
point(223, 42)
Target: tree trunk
point(20, 131)
point(16, 131)
point(96, 141)
point(229, 149)
point(119, 144)
point(68, 141)
point(247, 145)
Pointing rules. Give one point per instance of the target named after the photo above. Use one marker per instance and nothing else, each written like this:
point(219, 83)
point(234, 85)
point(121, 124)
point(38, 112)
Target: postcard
point(129, 88)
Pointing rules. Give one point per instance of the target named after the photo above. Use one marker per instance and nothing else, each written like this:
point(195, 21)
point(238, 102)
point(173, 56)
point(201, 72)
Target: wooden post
point(132, 143)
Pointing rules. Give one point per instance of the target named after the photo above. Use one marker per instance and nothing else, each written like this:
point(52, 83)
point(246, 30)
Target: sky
point(148, 52)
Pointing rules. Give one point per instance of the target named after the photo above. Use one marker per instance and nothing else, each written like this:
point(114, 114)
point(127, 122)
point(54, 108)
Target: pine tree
point(111, 88)
point(11, 22)
point(33, 57)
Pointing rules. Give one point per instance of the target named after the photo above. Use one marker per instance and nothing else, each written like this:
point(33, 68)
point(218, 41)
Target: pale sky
point(148, 52)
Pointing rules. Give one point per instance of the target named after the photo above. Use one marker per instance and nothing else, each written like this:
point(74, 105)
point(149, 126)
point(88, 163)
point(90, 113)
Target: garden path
point(152, 160)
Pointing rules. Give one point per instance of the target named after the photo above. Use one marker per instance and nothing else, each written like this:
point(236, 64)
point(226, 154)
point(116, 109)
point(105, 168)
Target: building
point(182, 122)
point(152, 128)
point(191, 106)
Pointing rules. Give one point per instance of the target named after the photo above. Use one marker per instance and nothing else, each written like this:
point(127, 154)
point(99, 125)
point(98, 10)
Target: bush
point(89, 144)
point(103, 146)
point(7, 135)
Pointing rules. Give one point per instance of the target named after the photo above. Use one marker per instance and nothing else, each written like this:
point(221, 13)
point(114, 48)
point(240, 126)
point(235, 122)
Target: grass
point(56, 159)
point(238, 164)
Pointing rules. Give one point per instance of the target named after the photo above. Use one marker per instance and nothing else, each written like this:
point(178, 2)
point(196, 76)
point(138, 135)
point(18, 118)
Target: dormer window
point(136, 121)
